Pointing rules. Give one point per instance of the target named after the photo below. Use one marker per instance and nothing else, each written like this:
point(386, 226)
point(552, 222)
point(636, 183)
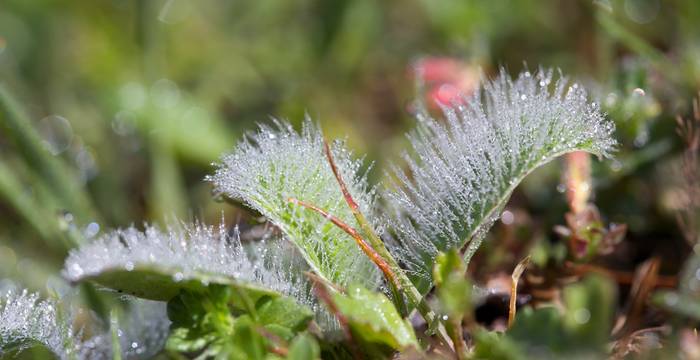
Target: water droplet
point(91, 230)
point(86, 164)
point(641, 139)
point(271, 136)
point(611, 99)
point(642, 11)
point(523, 97)
point(129, 266)
point(445, 317)
point(561, 188)
point(76, 270)
point(507, 217)
point(638, 92)
point(123, 123)
point(671, 299)
point(616, 165)
point(67, 217)
point(132, 95)
point(175, 11)
point(134, 345)
point(166, 93)
point(56, 133)
point(582, 315)
point(178, 277)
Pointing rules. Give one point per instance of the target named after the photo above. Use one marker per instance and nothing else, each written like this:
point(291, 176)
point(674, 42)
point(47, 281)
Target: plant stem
point(53, 171)
point(402, 281)
point(114, 327)
point(454, 329)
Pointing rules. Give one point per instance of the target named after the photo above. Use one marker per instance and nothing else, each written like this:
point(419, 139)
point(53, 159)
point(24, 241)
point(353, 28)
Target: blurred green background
point(114, 110)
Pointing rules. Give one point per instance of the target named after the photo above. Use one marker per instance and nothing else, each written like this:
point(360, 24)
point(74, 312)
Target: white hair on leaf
point(26, 320)
point(463, 170)
point(277, 164)
point(185, 252)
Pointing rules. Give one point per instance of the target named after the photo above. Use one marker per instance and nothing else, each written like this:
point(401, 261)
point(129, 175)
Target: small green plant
point(348, 263)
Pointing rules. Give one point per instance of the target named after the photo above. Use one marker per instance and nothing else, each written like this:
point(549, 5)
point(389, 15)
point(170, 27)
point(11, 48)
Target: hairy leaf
point(463, 170)
point(154, 264)
point(26, 321)
point(277, 164)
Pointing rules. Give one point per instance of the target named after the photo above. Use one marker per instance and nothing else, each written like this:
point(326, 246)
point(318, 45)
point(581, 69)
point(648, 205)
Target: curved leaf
point(463, 171)
point(156, 265)
point(374, 318)
point(277, 164)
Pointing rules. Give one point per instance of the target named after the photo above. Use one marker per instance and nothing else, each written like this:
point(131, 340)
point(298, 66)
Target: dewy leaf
point(156, 265)
point(26, 321)
point(276, 164)
point(463, 170)
point(374, 318)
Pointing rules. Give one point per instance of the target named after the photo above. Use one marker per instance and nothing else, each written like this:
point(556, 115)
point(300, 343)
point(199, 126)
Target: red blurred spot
point(446, 80)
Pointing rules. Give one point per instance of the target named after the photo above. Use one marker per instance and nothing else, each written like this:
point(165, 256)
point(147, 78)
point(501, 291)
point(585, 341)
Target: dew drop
point(91, 230)
point(129, 266)
point(582, 315)
point(123, 123)
point(86, 163)
point(132, 95)
point(561, 188)
point(166, 93)
point(76, 270)
point(134, 345)
point(56, 133)
point(642, 11)
point(671, 299)
point(507, 217)
point(178, 277)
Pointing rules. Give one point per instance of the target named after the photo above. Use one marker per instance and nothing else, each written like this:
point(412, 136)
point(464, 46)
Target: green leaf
point(454, 290)
point(463, 170)
point(224, 320)
point(247, 342)
point(496, 346)
point(678, 303)
point(583, 328)
point(284, 312)
point(200, 320)
point(279, 164)
point(374, 318)
point(156, 264)
point(162, 284)
point(304, 347)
